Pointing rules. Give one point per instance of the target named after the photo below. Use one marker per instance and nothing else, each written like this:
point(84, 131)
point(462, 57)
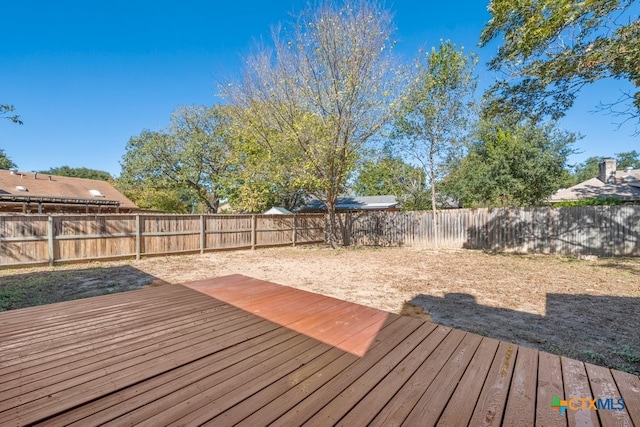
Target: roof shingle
point(36, 186)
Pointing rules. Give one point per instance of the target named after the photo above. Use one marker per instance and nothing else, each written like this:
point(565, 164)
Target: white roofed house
point(277, 210)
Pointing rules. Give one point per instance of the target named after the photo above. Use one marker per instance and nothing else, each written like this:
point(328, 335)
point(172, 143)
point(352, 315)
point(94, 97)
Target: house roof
point(354, 203)
point(626, 187)
point(35, 187)
point(277, 210)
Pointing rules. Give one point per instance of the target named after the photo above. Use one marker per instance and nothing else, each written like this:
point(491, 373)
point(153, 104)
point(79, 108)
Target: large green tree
point(79, 173)
point(628, 159)
point(551, 49)
point(260, 180)
point(393, 176)
point(159, 198)
point(585, 170)
point(437, 111)
point(320, 94)
point(191, 157)
point(512, 164)
point(5, 161)
point(5, 113)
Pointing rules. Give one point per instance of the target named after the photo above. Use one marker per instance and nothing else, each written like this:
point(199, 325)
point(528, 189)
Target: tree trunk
point(434, 207)
point(212, 204)
point(332, 227)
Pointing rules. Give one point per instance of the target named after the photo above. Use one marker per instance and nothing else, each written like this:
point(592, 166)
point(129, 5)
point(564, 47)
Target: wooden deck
point(236, 350)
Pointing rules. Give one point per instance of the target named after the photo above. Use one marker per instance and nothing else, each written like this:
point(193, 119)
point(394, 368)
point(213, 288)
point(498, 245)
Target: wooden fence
point(47, 239)
point(588, 230)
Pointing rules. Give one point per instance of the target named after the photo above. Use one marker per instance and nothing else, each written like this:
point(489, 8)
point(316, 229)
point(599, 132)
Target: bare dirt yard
point(588, 309)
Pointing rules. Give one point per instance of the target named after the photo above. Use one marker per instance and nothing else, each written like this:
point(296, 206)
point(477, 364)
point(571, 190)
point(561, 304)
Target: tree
point(551, 49)
point(628, 159)
point(191, 156)
point(436, 112)
point(585, 170)
point(513, 165)
point(256, 190)
point(5, 161)
point(260, 180)
point(392, 175)
point(168, 200)
point(79, 173)
point(6, 109)
point(319, 96)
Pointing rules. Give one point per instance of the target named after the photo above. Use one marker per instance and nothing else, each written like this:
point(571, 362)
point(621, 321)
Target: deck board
point(430, 406)
point(403, 402)
point(257, 380)
point(242, 351)
point(357, 390)
point(129, 399)
point(319, 384)
point(550, 384)
point(313, 403)
point(459, 409)
point(521, 404)
point(260, 399)
point(222, 384)
point(65, 357)
point(604, 387)
point(491, 402)
point(373, 401)
point(76, 364)
point(576, 384)
point(629, 387)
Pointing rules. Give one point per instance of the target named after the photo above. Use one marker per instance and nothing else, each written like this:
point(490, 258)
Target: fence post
point(202, 240)
point(253, 231)
point(138, 236)
point(50, 239)
point(295, 231)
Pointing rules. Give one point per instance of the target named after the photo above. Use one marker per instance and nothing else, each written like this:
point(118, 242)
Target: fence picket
point(40, 239)
point(586, 230)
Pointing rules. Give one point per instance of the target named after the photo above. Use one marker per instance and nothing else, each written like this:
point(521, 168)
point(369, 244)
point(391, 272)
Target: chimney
point(607, 170)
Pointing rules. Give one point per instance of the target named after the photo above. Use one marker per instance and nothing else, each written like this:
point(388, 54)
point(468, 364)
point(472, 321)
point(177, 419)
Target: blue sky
point(87, 76)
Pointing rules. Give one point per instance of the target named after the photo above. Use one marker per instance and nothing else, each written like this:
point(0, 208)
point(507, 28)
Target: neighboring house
point(224, 207)
point(277, 210)
point(42, 193)
point(354, 203)
point(447, 202)
point(610, 182)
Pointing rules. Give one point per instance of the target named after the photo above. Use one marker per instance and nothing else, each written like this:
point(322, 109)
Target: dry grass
point(583, 308)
